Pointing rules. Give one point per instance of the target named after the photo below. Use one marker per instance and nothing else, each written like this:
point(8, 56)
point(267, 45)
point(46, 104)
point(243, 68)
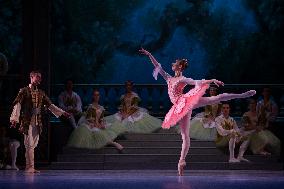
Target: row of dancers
point(31, 101)
point(133, 119)
point(94, 129)
point(203, 125)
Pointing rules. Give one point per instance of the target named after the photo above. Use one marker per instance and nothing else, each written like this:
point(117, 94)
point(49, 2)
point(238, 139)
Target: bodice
point(175, 88)
point(94, 112)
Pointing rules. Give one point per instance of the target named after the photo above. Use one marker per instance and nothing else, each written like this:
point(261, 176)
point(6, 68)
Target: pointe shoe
point(249, 93)
point(181, 165)
point(234, 160)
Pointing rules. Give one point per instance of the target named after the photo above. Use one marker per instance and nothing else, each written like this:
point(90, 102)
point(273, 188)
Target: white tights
point(14, 145)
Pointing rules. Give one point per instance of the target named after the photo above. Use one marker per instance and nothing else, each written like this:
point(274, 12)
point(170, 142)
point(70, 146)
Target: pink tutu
point(183, 105)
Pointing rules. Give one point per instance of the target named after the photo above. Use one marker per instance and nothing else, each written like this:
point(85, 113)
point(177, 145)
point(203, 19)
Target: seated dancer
point(70, 102)
point(8, 145)
point(134, 118)
point(267, 110)
point(93, 132)
point(229, 134)
point(203, 126)
point(28, 107)
point(262, 141)
point(183, 104)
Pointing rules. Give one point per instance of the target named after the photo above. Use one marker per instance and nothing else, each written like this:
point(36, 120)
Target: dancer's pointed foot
point(119, 147)
point(181, 165)
point(249, 93)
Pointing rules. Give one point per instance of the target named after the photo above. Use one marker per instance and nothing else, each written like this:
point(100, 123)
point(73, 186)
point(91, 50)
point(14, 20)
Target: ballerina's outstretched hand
point(145, 52)
point(153, 60)
point(217, 82)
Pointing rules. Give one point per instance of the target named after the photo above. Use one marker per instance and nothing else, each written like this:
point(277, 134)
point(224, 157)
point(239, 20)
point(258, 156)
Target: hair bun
point(184, 63)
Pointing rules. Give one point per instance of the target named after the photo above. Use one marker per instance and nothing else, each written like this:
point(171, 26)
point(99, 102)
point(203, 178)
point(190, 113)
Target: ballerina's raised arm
point(157, 65)
point(165, 75)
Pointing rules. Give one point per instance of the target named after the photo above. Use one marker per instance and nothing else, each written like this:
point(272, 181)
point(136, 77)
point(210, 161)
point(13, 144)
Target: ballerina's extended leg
point(222, 97)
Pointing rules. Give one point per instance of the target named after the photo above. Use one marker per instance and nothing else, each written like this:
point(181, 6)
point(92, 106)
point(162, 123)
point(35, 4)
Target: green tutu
point(144, 124)
point(116, 126)
point(197, 131)
point(147, 124)
point(265, 139)
point(83, 137)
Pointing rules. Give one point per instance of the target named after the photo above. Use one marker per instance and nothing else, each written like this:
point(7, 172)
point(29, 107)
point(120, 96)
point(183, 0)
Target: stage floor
point(142, 179)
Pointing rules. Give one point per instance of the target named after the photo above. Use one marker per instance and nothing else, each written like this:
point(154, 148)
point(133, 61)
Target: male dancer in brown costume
point(28, 107)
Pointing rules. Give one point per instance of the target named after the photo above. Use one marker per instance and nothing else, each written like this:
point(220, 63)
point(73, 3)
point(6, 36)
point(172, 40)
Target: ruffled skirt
point(265, 139)
point(184, 105)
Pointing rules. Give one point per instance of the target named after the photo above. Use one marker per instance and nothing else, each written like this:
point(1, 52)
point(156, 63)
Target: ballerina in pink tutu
point(183, 104)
